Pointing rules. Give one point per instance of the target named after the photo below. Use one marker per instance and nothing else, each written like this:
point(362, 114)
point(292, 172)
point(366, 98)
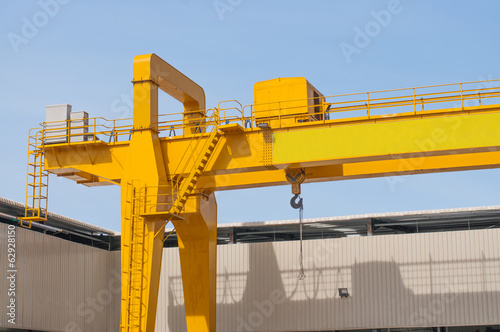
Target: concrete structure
point(408, 274)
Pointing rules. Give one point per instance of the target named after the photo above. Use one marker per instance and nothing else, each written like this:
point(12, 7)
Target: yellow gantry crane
point(168, 166)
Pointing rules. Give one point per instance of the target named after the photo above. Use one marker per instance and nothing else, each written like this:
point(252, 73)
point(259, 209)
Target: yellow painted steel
point(169, 165)
point(141, 238)
point(198, 256)
point(282, 102)
point(147, 183)
point(37, 181)
point(437, 135)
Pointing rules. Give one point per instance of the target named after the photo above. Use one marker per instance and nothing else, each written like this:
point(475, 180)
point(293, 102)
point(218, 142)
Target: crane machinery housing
point(169, 165)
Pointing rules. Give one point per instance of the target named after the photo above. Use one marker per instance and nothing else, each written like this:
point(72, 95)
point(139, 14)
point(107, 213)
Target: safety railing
point(185, 124)
point(420, 99)
point(377, 104)
point(155, 199)
point(96, 129)
point(232, 113)
point(283, 114)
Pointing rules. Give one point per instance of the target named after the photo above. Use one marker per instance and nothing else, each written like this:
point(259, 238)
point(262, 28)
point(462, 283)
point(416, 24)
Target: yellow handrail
point(98, 129)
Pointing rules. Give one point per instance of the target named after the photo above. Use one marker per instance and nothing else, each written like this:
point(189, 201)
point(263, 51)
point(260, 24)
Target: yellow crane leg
point(142, 234)
point(143, 180)
point(141, 264)
point(197, 238)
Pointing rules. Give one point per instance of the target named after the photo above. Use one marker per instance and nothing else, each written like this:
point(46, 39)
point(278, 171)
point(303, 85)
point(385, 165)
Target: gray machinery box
point(79, 126)
point(56, 127)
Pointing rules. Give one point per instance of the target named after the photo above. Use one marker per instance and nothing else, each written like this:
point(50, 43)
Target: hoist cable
point(299, 205)
point(302, 274)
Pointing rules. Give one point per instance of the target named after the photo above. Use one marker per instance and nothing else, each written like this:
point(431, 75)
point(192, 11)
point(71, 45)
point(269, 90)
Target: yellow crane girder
point(460, 141)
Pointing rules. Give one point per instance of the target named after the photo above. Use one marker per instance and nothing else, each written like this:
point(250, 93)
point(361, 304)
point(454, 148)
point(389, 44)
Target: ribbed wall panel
point(410, 280)
point(115, 287)
point(431, 279)
point(60, 285)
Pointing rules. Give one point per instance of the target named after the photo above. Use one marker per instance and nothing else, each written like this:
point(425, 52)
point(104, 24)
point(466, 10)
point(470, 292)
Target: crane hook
point(295, 204)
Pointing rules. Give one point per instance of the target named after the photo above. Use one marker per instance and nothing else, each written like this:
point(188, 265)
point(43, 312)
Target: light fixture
point(343, 292)
point(263, 125)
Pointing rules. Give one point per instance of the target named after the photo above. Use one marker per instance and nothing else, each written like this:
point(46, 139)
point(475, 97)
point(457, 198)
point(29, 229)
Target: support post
point(197, 236)
point(141, 252)
point(369, 227)
point(142, 238)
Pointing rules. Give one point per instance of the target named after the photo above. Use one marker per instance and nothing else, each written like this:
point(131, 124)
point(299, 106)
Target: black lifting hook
point(295, 204)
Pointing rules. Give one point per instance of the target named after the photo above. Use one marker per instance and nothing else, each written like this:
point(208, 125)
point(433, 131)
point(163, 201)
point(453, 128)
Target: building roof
point(53, 219)
point(56, 224)
point(358, 225)
point(441, 220)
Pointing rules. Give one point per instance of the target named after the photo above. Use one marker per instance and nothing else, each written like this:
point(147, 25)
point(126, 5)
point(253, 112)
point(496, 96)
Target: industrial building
point(413, 271)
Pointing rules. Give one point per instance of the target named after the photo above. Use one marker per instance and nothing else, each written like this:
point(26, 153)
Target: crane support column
point(146, 201)
point(142, 236)
point(197, 237)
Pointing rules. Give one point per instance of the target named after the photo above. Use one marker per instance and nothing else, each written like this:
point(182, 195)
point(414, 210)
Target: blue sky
point(81, 52)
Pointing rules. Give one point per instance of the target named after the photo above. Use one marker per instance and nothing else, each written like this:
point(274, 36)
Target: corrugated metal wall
point(60, 285)
point(431, 279)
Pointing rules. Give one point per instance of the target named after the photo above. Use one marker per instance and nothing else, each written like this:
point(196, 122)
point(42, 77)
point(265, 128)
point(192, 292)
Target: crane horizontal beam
point(360, 170)
point(450, 142)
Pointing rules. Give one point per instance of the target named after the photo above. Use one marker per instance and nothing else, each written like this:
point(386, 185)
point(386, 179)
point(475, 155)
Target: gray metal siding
point(115, 287)
point(411, 280)
point(431, 279)
point(55, 280)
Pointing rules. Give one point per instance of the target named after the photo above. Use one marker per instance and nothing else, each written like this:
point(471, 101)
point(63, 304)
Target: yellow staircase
point(138, 257)
point(201, 161)
point(36, 182)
